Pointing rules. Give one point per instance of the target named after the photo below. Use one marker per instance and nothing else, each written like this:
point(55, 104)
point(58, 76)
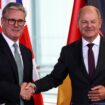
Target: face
point(13, 31)
point(89, 24)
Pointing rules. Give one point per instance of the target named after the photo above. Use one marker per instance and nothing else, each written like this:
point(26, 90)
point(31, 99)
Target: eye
point(21, 22)
point(12, 20)
point(93, 21)
point(84, 22)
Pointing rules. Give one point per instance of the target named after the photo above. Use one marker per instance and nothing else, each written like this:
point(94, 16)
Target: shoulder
point(25, 49)
point(73, 45)
point(72, 48)
point(103, 38)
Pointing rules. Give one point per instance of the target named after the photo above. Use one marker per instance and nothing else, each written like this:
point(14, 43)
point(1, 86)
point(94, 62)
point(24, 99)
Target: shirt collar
point(9, 41)
point(96, 41)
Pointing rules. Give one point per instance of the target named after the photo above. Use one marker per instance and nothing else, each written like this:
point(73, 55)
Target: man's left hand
point(97, 93)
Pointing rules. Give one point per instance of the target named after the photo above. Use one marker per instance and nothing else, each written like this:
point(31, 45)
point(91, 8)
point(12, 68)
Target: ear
point(2, 20)
point(100, 23)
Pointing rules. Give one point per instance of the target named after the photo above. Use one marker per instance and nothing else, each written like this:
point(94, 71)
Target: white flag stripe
point(35, 71)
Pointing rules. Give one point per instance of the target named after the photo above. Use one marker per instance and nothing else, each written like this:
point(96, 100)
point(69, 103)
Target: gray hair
point(13, 5)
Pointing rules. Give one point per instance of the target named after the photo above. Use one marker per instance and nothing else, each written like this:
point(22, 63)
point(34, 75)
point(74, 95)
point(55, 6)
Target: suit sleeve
point(9, 92)
point(56, 77)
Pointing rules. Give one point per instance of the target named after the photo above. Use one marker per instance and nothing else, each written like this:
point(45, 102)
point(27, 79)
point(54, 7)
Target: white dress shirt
point(95, 49)
point(10, 44)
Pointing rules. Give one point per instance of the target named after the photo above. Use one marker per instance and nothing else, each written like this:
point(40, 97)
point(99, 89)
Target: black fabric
point(71, 62)
point(9, 81)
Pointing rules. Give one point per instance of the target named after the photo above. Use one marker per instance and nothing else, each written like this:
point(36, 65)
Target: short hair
point(13, 5)
point(96, 9)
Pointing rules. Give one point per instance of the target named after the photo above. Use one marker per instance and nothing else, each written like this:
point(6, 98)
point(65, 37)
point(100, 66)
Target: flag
point(25, 40)
point(100, 4)
point(64, 95)
point(65, 90)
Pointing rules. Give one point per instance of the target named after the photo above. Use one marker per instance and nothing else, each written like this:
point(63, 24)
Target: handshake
point(27, 90)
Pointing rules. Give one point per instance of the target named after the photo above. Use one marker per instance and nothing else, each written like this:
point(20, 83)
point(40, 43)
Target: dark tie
point(91, 61)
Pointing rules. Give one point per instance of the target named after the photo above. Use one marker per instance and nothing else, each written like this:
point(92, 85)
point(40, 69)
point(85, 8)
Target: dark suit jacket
point(71, 62)
point(9, 81)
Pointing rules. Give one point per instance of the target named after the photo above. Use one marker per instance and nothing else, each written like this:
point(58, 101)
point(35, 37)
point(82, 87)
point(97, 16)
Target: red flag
point(25, 40)
point(64, 95)
point(0, 3)
point(74, 33)
point(0, 29)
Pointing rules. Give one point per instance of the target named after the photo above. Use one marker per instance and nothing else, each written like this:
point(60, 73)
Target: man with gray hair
point(15, 59)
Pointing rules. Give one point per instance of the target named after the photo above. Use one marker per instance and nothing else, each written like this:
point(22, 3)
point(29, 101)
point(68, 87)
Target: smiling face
point(89, 23)
point(12, 31)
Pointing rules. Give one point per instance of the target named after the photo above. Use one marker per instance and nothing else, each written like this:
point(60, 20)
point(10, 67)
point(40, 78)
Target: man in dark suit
point(87, 76)
point(12, 84)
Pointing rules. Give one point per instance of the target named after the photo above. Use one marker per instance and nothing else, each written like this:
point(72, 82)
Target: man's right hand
point(27, 89)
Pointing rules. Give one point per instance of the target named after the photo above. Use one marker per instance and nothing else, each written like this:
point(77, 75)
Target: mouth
point(89, 30)
point(15, 30)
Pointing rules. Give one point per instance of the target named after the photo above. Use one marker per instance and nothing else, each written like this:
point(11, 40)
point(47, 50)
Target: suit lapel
point(80, 62)
point(100, 63)
point(24, 61)
point(7, 52)
point(24, 58)
point(101, 57)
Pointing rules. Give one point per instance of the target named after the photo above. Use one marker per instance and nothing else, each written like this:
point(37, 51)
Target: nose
point(89, 24)
point(16, 23)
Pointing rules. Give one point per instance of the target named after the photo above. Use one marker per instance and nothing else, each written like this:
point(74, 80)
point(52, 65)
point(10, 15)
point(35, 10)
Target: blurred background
point(48, 23)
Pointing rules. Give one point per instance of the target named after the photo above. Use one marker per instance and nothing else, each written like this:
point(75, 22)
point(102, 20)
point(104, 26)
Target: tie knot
point(15, 45)
point(90, 45)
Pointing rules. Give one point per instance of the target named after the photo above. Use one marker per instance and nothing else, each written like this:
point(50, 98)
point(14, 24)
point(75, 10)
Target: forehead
point(15, 13)
point(89, 13)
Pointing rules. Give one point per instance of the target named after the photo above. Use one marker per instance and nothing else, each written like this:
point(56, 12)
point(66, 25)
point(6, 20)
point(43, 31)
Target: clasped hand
point(27, 90)
point(97, 93)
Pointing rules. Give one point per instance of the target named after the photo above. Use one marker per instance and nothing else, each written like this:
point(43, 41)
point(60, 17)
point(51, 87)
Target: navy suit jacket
point(9, 81)
point(71, 62)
